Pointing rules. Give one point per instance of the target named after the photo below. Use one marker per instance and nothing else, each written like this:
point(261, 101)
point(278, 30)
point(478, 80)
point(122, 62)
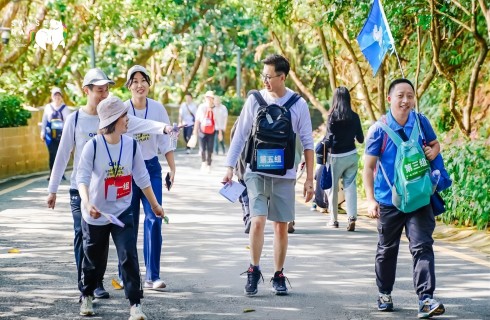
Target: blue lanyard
point(134, 111)
point(112, 162)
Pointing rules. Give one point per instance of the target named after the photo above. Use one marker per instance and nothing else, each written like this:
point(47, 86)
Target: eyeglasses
point(268, 77)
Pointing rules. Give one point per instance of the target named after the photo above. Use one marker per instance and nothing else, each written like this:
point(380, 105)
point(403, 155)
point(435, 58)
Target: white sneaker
point(136, 313)
point(204, 167)
point(209, 169)
point(87, 308)
point(157, 284)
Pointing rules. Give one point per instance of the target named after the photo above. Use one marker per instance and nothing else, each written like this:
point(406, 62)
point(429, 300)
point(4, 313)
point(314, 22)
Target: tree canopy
point(193, 46)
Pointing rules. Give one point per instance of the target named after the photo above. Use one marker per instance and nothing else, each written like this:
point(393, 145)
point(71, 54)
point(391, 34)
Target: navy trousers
point(419, 226)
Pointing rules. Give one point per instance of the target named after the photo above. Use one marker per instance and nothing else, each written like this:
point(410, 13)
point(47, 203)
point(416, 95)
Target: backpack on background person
point(271, 145)
point(54, 126)
point(208, 123)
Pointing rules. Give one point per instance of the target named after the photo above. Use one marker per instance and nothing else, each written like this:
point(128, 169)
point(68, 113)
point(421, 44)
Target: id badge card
point(270, 158)
point(118, 187)
point(111, 193)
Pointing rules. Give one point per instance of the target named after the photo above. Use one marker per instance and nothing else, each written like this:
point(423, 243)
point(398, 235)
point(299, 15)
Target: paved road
point(205, 250)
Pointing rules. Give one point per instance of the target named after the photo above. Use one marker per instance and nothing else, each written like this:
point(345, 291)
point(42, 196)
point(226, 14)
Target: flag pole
point(391, 37)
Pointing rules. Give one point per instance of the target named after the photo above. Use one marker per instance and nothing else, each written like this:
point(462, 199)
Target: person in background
point(187, 117)
point(205, 127)
point(221, 114)
point(54, 117)
point(343, 128)
point(108, 165)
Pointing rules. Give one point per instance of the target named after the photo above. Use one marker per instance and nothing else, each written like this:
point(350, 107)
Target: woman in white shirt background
point(221, 114)
point(54, 116)
point(187, 117)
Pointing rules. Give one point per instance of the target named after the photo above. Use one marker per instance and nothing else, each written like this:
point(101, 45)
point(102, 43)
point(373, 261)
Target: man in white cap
point(205, 128)
point(80, 127)
point(55, 114)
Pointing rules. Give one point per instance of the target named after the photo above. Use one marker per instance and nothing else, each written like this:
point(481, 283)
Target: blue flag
point(375, 38)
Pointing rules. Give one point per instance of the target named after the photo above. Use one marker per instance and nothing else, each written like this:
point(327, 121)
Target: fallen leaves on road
point(14, 250)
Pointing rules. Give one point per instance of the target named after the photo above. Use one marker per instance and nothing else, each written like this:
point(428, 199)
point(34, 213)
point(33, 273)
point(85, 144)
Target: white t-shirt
point(48, 111)
point(96, 174)
point(185, 113)
point(221, 114)
point(150, 143)
point(300, 119)
point(75, 138)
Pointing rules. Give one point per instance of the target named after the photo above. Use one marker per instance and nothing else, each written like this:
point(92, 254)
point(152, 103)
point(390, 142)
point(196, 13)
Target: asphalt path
point(205, 249)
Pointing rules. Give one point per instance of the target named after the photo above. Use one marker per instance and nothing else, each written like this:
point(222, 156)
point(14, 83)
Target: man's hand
point(220, 135)
point(308, 190)
point(51, 200)
point(373, 209)
point(172, 177)
point(229, 175)
point(430, 153)
point(168, 129)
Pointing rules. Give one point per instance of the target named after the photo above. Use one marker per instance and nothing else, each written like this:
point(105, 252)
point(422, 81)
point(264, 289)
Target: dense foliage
point(11, 112)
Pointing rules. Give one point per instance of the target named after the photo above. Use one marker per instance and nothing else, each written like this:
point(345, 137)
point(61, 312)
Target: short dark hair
point(112, 127)
point(398, 81)
point(145, 76)
point(280, 63)
point(188, 94)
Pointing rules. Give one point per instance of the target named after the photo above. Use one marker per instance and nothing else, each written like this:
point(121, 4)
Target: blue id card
point(270, 159)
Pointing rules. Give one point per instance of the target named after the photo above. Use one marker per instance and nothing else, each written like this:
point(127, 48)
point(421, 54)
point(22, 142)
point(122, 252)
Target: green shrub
point(11, 112)
point(468, 200)
point(234, 104)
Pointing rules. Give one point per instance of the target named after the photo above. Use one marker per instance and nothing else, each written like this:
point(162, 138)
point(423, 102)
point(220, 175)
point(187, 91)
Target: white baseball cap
point(96, 77)
point(209, 94)
point(109, 110)
point(55, 90)
point(133, 70)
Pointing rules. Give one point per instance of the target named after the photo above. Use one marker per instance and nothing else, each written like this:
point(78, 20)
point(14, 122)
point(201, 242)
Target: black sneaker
point(253, 278)
point(279, 283)
point(100, 292)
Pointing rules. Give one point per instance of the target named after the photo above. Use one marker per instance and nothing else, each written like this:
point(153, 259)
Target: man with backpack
point(55, 114)
point(398, 188)
point(267, 127)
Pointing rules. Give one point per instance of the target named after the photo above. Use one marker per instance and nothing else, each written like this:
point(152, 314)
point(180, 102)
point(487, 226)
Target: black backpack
point(271, 145)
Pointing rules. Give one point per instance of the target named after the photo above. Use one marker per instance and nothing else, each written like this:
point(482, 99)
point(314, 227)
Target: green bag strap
point(392, 134)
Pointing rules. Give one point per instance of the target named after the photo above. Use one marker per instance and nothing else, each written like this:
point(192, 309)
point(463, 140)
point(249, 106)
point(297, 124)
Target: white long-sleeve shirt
point(300, 119)
point(221, 114)
point(48, 111)
point(75, 138)
point(187, 112)
point(94, 172)
point(151, 143)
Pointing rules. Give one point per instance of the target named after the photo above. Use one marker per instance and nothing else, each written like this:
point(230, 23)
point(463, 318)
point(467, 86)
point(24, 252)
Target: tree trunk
point(358, 72)
point(329, 64)
point(314, 101)
point(486, 13)
point(381, 89)
point(195, 67)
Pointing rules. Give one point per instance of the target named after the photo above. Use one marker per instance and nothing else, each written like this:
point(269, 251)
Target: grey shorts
point(271, 197)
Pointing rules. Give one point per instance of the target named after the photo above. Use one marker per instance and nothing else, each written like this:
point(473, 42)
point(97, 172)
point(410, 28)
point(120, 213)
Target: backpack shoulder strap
point(291, 101)
point(95, 148)
point(258, 97)
point(393, 136)
point(134, 147)
point(75, 127)
point(61, 112)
